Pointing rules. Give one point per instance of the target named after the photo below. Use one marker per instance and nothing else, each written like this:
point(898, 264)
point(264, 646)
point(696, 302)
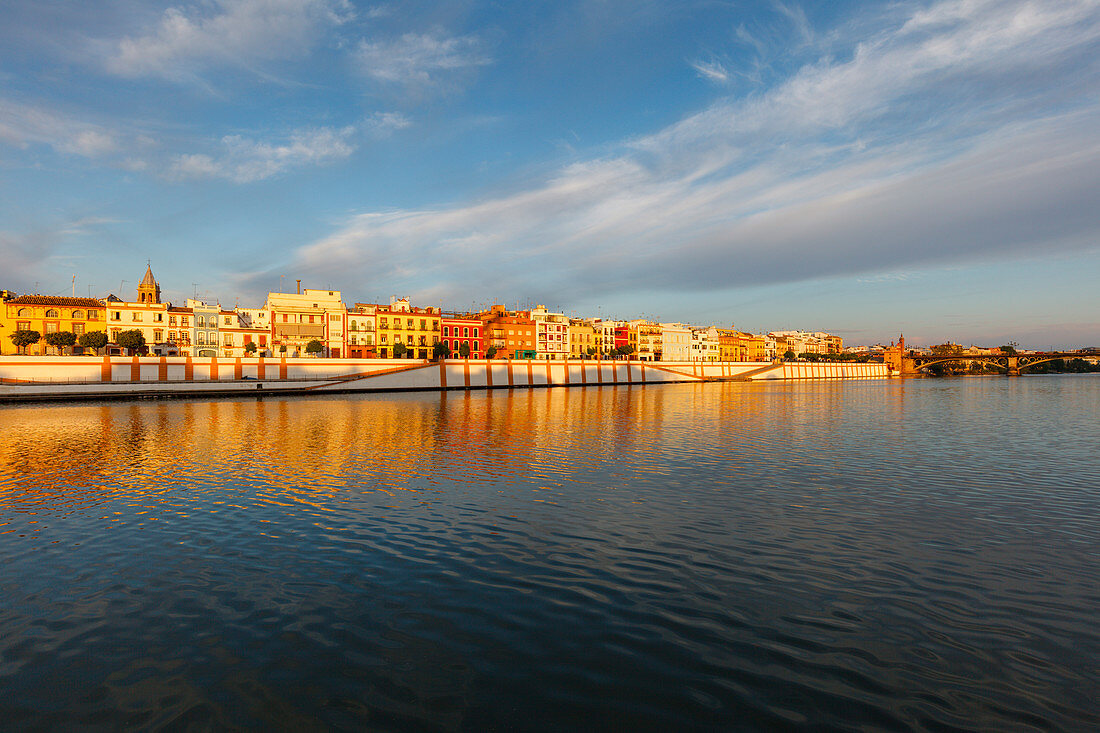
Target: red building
point(459, 330)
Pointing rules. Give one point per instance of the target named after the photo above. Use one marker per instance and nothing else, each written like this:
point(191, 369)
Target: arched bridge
point(912, 363)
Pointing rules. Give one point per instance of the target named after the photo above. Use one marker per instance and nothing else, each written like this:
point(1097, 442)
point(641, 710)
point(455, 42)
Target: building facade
point(48, 314)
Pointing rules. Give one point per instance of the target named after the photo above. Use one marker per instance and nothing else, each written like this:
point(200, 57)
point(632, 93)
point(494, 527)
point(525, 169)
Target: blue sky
point(864, 168)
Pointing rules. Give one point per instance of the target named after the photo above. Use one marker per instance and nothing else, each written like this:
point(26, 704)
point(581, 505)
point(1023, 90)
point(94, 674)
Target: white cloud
point(244, 161)
point(22, 125)
point(711, 71)
point(383, 124)
point(420, 60)
point(240, 33)
point(866, 164)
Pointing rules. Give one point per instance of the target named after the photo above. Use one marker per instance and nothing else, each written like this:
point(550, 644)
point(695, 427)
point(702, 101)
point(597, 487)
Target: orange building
point(511, 332)
point(48, 314)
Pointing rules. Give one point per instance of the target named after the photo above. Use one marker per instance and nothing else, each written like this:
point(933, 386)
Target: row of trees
point(67, 339)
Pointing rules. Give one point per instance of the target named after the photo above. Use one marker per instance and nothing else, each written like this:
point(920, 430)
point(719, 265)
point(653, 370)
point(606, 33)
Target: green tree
point(399, 350)
point(250, 348)
point(591, 351)
point(491, 352)
point(789, 355)
point(93, 340)
point(441, 351)
point(61, 339)
point(314, 347)
point(24, 338)
point(464, 350)
point(282, 349)
point(131, 340)
point(1010, 348)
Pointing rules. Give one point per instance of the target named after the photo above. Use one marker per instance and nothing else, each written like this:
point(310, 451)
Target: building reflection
point(312, 450)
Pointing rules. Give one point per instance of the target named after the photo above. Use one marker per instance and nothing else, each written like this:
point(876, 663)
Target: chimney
point(299, 281)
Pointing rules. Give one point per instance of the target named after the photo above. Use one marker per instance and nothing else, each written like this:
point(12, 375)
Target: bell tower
point(149, 289)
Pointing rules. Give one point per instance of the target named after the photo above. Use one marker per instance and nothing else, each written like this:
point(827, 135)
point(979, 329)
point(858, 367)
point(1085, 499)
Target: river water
point(888, 555)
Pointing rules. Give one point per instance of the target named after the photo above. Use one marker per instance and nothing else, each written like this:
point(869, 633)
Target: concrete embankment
point(81, 377)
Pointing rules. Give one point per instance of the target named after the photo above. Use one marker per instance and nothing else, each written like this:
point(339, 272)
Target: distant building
point(463, 330)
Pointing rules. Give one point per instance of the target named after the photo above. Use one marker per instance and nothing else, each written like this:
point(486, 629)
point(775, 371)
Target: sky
point(868, 168)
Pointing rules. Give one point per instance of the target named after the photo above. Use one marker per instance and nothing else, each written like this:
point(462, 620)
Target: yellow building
point(48, 314)
point(582, 337)
point(400, 323)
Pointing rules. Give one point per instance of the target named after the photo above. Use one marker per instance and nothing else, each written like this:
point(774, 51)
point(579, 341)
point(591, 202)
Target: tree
point(591, 351)
point(399, 350)
point(250, 348)
point(491, 352)
point(282, 349)
point(61, 339)
point(93, 340)
point(441, 350)
point(789, 355)
point(464, 350)
point(1009, 349)
point(314, 347)
point(131, 340)
point(24, 338)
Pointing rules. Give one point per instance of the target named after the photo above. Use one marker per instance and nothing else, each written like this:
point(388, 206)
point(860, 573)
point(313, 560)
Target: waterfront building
point(645, 337)
point(204, 328)
point(362, 331)
point(48, 314)
point(753, 347)
point(512, 332)
point(147, 314)
point(310, 315)
point(180, 333)
point(582, 337)
point(402, 323)
point(551, 333)
point(460, 330)
point(704, 344)
point(235, 334)
point(675, 342)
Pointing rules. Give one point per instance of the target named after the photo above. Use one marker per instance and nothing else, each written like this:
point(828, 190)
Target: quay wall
point(108, 376)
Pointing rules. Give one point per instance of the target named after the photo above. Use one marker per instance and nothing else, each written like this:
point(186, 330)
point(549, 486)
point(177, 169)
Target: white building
point(676, 342)
point(551, 334)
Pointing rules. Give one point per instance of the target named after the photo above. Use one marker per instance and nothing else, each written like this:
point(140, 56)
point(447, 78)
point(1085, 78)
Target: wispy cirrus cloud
point(421, 61)
point(238, 33)
point(243, 160)
point(712, 70)
point(24, 124)
point(875, 162)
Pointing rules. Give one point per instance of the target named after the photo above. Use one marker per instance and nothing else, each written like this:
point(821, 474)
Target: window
point(171, 320)
point(475, 332)
point(183, 321)
point(368, 340)
point(116, 315)
point(446, 330)
point(22, 312)
point(23, 325)
point(334, 319)
point(52, 313)
point(171, 336)
point(263, 340)
point(227, 340)
point(383, 323)
point(410, 324)
point(114, 334)
point(135, 316)
point(423, 324)
point(382, 339)
point(409, 341)
point(158, 336)
point(93, 315)
point(226, 321)
point(158, 317)
point(353, 326)
point(352, 341)
point(466, 332)
point(78, 314)
point(200, 338)
point(200, 322)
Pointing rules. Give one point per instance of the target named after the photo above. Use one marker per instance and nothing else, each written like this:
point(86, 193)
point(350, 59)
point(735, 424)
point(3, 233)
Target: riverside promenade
point(76, 377)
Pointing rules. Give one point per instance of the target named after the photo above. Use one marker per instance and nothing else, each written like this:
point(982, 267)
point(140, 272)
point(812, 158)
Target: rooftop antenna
point(195, 291)
point(120, 286)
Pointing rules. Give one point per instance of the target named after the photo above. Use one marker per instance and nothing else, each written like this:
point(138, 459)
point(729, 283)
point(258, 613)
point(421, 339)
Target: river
point(890, 554)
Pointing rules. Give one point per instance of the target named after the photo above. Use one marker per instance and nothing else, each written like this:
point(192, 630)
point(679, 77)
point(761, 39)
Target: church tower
point(149, 288)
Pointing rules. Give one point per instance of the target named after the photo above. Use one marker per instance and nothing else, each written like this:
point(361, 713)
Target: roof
point(55, 300)
point(149, 279)
point(174, 309)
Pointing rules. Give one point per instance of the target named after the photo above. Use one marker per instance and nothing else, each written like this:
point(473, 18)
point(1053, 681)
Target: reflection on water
point(895, 555)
